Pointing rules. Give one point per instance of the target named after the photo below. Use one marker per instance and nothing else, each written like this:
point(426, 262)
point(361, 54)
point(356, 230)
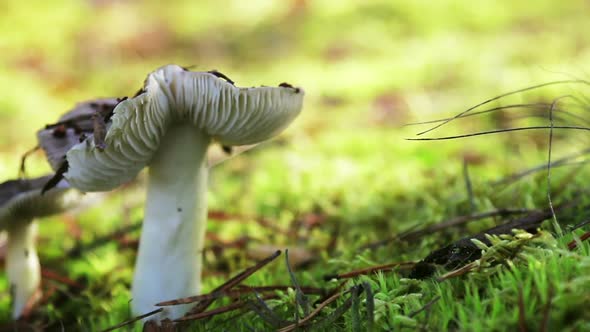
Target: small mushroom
point(21, 203)
point(168, 127)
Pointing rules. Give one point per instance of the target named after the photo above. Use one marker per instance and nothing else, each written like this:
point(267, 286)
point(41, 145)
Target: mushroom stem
point(170, 252)
point(22, 266)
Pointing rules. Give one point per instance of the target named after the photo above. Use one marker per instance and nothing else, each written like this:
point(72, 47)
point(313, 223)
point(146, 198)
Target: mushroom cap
point(73, 127)
point(171, 94)
point(21, 200)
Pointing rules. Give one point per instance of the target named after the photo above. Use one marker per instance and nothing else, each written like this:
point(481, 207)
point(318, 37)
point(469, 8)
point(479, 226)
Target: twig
point(232, 293)
point(203, 305)
point(51, 275)
point(458, 272)
point(133, 320)
point(220, 310)
point(425, 307)
point(368, 270)
point(312, 314)
point(574, 243)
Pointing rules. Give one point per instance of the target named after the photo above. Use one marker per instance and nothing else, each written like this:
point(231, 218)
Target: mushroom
point(20, 203)
point(168, 126)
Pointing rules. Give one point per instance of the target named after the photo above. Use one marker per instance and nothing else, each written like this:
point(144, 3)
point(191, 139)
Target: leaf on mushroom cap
point(21, 200)
point(230, 115)
point(73, 127)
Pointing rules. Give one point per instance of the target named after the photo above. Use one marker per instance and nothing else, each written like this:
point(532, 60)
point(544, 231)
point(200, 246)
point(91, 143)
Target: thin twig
point(312, 314)
point(203, 305)
point(425, 307)
point(369, 270)
point(574, 243)
point(220, 310)
point(560, 162)
point(496, 131)
point(502, 96)
point(489, 110)
point(133, 320)
point(554, 217)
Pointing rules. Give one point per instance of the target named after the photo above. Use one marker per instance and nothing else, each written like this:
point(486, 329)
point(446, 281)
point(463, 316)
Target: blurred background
point(367, 67)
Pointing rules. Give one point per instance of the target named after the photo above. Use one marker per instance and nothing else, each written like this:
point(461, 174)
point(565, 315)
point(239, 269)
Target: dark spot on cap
point(27, 253)
point(59, 131)
point(287, 85)
point(179, 209)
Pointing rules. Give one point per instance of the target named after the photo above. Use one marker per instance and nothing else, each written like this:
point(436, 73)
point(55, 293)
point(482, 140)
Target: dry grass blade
point(425, 307)
point(312, 314)
point(552, 125)
point(133, 320)
point(496, 131)
point(203, 305)
point(328, 322)
point(240, 290)
point(266, 313)
point(220, 310)
point(564, 161)
point(502, 96)
point(52, 275)
point(458, 272)
point(243, 289)
point(574, 243)
point(300, 298)
point(368, 270)
point(489, 110)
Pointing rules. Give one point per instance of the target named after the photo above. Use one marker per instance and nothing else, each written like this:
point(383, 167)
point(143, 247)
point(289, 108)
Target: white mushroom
point(168, 127)
point(21, 203)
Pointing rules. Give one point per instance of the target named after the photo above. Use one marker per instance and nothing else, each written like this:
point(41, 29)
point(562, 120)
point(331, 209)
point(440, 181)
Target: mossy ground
point(342, 176)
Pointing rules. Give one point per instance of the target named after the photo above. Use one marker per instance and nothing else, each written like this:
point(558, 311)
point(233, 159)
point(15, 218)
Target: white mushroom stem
point(170, 250)
point(22, 266)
